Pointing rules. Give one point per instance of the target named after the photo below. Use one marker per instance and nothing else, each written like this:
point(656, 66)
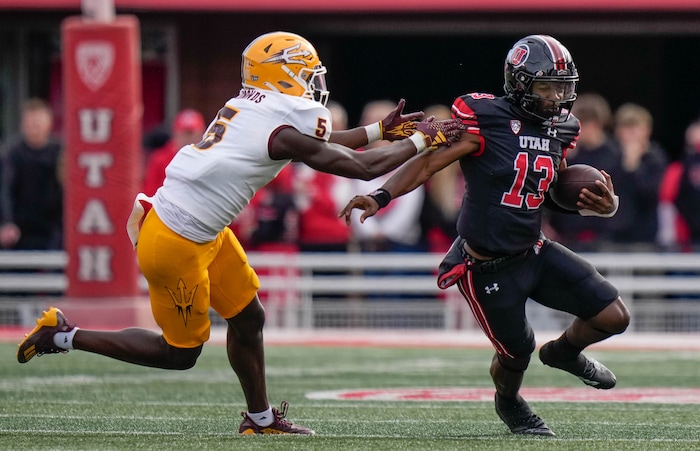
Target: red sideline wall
point(102, 132)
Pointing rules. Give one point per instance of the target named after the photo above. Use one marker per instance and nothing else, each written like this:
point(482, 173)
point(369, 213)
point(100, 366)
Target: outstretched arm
point(410, 176)
point(340, 160)
point(393, 127)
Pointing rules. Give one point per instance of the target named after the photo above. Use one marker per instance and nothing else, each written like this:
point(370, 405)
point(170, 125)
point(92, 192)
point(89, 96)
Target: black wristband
point(382, 197)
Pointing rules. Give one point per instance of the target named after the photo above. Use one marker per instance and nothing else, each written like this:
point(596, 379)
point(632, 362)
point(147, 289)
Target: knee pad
point(522, 345)
point(615, 322)
point(513, 364)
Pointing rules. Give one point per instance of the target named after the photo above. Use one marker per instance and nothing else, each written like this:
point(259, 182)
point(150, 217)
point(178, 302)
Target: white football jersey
point(207, 184)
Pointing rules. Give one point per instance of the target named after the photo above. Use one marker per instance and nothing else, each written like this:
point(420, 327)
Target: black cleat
point(516, 414)
point(589, 370)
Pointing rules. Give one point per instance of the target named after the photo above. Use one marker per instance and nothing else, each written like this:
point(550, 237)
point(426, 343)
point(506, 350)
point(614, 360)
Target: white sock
point(64, 340)
point(264, 418)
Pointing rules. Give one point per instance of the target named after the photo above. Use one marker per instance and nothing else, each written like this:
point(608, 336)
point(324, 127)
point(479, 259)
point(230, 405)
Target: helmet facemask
point(554, 107)
point(315, 82)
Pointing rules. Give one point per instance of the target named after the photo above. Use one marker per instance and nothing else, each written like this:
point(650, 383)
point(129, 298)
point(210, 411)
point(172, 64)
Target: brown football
point(565, 192)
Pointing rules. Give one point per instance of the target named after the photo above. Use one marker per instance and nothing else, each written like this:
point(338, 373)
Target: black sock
point(562, 349)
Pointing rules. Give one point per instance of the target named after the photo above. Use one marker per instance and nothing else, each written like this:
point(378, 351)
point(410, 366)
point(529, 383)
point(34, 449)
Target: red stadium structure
point(102, 126)
point(355, 6)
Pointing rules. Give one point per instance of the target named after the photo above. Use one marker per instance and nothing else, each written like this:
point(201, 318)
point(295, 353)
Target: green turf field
point(86, 402)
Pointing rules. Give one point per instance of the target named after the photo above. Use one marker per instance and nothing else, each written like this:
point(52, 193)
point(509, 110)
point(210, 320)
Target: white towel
point(133, 224)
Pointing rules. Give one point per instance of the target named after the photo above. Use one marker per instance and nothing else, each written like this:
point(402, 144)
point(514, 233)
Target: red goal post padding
point(102, 133)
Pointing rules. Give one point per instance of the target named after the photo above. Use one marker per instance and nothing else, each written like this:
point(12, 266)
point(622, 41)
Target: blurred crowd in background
point(297, 212)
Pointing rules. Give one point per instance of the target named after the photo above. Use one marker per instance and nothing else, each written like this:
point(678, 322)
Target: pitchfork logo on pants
point(184, 300)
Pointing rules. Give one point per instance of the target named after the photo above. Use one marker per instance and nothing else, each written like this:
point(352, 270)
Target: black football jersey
point(506, 179)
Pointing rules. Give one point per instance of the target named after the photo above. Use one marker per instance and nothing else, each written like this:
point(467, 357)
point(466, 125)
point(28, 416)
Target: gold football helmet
point(284, 62)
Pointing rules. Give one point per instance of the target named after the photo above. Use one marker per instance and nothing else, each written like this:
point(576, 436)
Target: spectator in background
point(319, 196)
point(679, 197)
point(638, 177)
point(273, 223)
point(397, 227)
point(154, 139)
point(32, 193)
point(187, 128)
point(596, 148)
point(443, 199)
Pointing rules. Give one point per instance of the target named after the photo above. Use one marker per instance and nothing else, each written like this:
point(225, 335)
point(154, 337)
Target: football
point(565, 192)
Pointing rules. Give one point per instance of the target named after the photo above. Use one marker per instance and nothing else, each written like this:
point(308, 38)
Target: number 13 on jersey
point(542, 172)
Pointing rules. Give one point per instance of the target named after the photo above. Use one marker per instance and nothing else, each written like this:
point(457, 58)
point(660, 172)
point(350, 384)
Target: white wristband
point(418, 140)
point(374, 132)
point(616, 204)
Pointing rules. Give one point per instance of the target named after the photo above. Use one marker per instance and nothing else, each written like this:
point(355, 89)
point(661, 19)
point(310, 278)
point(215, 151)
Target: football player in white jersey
point(193, 261)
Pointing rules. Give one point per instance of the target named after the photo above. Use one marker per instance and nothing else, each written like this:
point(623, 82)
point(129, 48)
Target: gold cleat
point(40, 340)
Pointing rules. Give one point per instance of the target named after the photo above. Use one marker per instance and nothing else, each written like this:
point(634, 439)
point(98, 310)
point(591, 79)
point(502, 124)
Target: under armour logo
point(65, 339)
point(551, 131)
point(492, 288)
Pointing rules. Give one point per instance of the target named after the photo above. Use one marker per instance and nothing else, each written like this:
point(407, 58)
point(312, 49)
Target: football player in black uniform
point(510, 155)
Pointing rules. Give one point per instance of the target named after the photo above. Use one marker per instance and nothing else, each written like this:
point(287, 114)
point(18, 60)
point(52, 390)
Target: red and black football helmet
point(540, 58)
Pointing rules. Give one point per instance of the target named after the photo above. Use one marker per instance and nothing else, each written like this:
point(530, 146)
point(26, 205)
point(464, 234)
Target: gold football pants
point(186, 278)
